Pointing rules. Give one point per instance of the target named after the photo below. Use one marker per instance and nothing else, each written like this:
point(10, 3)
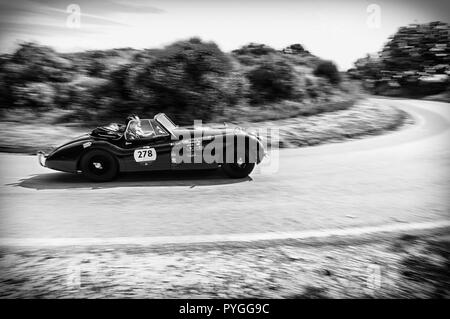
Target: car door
point(147, 153)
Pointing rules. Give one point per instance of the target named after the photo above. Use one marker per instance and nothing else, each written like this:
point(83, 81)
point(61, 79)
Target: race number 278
point(145, 155)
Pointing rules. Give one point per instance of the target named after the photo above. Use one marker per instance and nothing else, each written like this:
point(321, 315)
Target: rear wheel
point(99, 166)
point(240, 169)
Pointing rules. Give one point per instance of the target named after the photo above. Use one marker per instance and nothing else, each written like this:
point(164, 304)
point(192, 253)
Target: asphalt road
point(397, 177)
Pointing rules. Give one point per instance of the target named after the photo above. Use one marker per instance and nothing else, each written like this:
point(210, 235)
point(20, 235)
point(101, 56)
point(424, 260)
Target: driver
point(135, 130)
point(131, 117)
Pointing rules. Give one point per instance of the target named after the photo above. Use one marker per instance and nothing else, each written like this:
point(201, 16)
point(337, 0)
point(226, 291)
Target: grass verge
point(366, 117)
point(405, 266)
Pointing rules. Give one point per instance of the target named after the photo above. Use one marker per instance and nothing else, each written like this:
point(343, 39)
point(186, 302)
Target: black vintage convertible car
point(156, 144)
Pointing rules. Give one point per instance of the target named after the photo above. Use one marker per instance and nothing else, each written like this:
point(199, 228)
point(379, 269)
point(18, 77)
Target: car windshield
point(165, 121)
point(144, 129)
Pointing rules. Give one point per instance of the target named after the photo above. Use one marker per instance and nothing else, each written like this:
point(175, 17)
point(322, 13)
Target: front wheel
point(99, 166)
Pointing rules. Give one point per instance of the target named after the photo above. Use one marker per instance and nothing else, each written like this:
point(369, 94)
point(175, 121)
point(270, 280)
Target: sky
point(341, 31)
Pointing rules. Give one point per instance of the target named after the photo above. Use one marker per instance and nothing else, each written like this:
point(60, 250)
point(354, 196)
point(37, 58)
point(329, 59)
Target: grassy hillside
point(188, 80)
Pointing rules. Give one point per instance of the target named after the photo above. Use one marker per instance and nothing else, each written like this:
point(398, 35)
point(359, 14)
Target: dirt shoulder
point(366, 117)
point(404, 266)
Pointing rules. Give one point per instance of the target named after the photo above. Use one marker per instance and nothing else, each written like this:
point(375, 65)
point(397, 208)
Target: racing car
point(156, 144)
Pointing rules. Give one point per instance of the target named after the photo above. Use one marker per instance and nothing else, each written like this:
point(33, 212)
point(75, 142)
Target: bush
point(185, 80)
point(270, 82)
point(295, 49)
point(188, 80)
point(328, 70)
point(40, 64)
point(254, 49)
point(34, 95)
point(120, 81)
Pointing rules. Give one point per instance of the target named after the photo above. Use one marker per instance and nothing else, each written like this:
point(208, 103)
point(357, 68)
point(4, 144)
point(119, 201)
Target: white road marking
point(252, 237)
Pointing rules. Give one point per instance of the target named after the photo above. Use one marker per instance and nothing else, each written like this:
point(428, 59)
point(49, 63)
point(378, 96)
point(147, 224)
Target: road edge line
point(229, 238)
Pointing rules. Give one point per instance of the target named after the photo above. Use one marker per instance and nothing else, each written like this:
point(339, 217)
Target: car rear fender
point(252, 147)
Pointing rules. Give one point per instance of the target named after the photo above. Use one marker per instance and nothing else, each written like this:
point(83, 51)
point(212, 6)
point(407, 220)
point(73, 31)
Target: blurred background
point(314, 60)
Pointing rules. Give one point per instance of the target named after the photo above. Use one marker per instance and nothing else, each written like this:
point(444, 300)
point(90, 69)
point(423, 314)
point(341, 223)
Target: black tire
point(235, 170)
point(99, 166)
point(241, 170)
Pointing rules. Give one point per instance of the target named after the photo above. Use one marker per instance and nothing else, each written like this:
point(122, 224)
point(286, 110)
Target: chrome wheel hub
point(98, 165)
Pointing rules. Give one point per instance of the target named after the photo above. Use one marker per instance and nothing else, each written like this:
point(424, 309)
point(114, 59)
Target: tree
point(416, 59)
point(418, 47)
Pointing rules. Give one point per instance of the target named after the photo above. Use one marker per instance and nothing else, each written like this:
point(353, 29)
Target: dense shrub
point(184, 79)
point(40, 63)
point(28, 76)
point(120, 81)
point(254, 49)
point(34, 95)
point(270, 82)
point(328, 70)
point(188, 80)
point(294, 49)
point(96, 68)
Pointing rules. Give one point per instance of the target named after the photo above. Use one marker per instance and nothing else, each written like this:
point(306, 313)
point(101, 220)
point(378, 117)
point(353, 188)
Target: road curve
point(397, 177)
